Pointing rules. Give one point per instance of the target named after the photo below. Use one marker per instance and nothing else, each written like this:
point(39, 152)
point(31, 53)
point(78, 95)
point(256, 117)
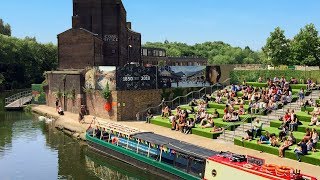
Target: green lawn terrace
point(312, 157)
point(204, 132)
point(229, 126)
point(293, 86)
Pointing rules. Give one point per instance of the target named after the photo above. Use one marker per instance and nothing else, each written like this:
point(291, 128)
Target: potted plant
point(106, 94)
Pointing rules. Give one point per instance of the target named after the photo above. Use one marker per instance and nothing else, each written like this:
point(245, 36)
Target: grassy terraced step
point(293, 86)
point(164, 122)
point(204, 132)
point(311, 158)
point(210, 111)
point(301, 128)
point(298, 135)
point(308, 109)
point(222, 106)
point(303, 116)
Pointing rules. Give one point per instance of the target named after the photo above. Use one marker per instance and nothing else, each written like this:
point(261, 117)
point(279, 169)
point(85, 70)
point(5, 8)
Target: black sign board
point(254, 160)
point(134, 77)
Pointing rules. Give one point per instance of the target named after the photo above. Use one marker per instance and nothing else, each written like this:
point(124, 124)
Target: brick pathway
point(71, 120)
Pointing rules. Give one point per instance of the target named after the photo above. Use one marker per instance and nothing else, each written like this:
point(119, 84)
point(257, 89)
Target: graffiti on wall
point(98, 77)
point(188, 76)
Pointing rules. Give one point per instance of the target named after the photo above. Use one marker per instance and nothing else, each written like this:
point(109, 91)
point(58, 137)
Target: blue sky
point(237, 22)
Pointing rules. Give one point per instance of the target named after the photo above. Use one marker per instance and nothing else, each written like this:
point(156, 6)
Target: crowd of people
point(184, 122)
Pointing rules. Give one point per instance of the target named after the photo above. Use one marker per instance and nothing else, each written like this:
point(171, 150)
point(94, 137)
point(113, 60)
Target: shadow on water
point(30, 149)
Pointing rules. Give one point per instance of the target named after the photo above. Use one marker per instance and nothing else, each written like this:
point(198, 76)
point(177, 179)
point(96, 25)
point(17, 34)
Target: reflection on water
point(30, 149)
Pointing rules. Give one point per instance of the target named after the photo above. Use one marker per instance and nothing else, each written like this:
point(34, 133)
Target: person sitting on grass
point(316, 110)
point(218, 99)
point(190, 124)
point(181, 124)
point(314, 137)
point(234, 117)
point(308, 134)
point(284, 146)
point(301, 150)
point(166, 112)
point(292, 139)
point(264, 139)
point(193, 102)
point(310, 146)
point(207, 122)
point(314, 120)
point(241, 110)
point(227, 116)
point(202, 114)
point(257, 128)
point(293, 125)
point(249, 135)
point(275, 142)
point(174, 121)
point(215, 113)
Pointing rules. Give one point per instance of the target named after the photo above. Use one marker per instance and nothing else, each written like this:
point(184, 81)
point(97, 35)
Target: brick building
point(100, 36)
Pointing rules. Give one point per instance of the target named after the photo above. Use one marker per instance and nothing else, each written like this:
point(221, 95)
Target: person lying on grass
point(216, 129)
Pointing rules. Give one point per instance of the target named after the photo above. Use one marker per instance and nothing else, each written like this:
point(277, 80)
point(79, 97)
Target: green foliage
point(277, 49)
point(27, 108)
point(5, 29)
point(23, 61)
point(106, 93)
point(216, 52)
point(238, 76)
point(58, 94)
point(71, 94)
point(1, 79)
point(305, 46)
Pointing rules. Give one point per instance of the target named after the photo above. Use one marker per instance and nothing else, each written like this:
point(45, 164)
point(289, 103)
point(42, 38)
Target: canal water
point(30, 149)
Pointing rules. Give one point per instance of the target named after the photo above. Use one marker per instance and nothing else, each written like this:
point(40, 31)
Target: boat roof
point(117, 127)
point(179, 146)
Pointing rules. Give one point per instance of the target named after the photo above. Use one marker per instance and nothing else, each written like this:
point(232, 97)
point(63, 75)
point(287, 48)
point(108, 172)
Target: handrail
point(138, 115)
point(247, 117)
point(17, 96)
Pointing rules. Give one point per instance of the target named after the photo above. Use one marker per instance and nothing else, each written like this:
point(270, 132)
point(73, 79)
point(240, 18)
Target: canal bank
point(70, 121)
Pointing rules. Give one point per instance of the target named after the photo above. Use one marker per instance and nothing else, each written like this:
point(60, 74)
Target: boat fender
point(248, 166)
point(269, 168)
point(284, 170)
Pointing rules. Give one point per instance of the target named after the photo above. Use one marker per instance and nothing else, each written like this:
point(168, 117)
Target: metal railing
point(17, 96)
point(244, 121)
point(142, 115)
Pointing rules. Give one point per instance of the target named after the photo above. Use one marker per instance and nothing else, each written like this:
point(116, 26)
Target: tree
point(216, 52)
point(277, 48)
point(305, 46)
point(5, 29)
point(1, 79)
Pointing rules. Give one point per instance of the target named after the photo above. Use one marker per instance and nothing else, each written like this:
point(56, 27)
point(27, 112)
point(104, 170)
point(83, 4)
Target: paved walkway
point(71, 120)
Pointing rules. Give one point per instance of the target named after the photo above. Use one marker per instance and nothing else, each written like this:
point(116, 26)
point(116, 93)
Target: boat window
point(182, 161)
point(197, 167)
point(168, 158)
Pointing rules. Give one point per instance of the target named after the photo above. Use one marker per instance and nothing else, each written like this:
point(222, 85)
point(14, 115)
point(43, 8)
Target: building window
point(145, 52)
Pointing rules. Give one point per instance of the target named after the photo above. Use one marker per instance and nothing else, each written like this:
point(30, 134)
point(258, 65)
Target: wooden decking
point(19, 103)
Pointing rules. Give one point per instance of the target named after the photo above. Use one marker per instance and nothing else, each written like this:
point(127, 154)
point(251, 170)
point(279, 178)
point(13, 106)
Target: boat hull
point(137, 160)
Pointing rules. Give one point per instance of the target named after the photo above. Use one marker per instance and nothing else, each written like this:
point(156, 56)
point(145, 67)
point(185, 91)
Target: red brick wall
point(132, 102)
point(95, 105)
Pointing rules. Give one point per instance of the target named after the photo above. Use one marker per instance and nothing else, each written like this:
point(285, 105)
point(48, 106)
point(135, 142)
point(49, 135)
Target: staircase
point(228, 136)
